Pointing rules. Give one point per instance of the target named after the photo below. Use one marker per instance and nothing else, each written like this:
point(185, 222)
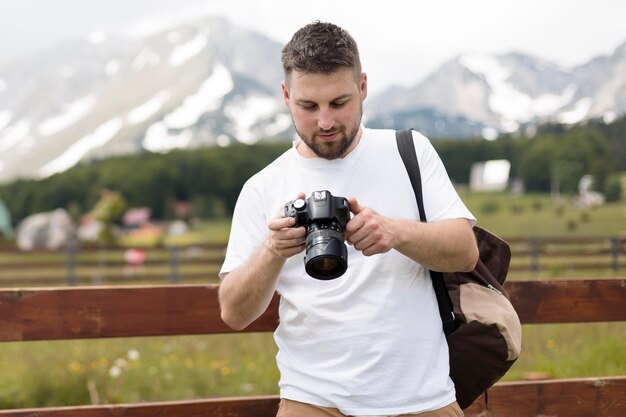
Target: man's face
point(326, 110)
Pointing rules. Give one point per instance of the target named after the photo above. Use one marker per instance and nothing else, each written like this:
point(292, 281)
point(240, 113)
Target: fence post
point(70, 263)
point(174, 255)
point(534, 254)
point(614, 253)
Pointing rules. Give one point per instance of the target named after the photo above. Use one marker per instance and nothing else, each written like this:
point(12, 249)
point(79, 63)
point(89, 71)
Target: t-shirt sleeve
point(441, 201)
point(247, 231)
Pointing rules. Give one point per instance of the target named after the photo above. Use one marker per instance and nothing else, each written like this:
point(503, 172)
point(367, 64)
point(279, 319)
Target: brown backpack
point(482, 328)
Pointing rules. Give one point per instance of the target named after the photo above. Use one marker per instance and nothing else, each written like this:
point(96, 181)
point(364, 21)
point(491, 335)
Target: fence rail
point(200, 263)
point(130, 311)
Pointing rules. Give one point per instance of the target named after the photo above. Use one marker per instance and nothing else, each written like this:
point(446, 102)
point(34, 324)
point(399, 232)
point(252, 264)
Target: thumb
point(355, 207)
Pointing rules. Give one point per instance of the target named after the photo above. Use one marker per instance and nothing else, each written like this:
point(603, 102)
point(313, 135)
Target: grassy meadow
point(35, 374)
point(537, 215)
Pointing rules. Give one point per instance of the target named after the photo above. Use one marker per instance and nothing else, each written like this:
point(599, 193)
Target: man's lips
point(328, 136)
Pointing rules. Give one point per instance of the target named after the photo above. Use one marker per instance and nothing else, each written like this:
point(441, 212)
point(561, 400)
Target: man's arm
point(445, 246)
point(245, 292)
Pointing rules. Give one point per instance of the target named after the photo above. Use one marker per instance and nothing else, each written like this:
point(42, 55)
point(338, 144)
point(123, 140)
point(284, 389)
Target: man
point(369, 343)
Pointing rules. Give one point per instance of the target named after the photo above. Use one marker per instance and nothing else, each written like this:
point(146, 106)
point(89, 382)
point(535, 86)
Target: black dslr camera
point(325, 218)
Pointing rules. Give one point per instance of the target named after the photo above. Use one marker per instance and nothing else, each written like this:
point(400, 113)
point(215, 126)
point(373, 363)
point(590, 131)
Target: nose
point(325, 120)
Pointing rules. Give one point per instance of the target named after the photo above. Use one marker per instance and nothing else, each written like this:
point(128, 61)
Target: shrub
point(517, 208)
point(585, 216)
point(571, 225)
point(490, 207)
point(613, 188)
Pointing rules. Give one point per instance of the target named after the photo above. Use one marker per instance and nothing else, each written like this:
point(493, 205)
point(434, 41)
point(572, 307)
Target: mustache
point(329, 132)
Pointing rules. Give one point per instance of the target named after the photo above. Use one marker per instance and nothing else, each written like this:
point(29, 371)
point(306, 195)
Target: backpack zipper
point(491, 287)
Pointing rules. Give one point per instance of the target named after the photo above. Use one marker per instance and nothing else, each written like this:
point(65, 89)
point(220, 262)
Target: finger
point(355, 207)
point(354, 225)
point(290, 233)
point(278, 223)
point(288, 243)
point(281, 212)
point(289, 252)
point(361, 240)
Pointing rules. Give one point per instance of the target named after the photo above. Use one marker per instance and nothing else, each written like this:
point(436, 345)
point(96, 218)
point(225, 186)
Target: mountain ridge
point(207, 83)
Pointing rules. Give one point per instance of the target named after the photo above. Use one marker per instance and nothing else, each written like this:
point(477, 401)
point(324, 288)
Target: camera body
point(325, 217)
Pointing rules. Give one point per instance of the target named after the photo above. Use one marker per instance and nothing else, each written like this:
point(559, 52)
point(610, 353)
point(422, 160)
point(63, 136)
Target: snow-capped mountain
point(201, 84)
point(497, 94)
point(210, 83)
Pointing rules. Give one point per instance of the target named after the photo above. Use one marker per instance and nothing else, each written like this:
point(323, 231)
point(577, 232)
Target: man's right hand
point(246, 292)
point(284, 240)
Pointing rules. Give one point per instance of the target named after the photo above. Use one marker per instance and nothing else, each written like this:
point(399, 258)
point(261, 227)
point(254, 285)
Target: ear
point(283, 86)
point(363, 86)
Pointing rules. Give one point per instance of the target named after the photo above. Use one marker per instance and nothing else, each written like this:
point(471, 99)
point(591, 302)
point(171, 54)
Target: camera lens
point(326, 254)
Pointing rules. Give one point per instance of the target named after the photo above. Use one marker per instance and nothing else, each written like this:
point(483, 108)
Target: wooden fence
point(201, 263)
point(568, 253)
point(125, 311)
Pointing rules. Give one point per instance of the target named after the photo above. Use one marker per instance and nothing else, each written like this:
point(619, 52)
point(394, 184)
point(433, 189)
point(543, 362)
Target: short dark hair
point(321, 47)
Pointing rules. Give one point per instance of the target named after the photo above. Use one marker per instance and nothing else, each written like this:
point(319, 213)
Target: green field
point(34, 374)
point(540, 215)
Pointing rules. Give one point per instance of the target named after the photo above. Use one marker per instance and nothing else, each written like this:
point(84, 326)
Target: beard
point(335, 149)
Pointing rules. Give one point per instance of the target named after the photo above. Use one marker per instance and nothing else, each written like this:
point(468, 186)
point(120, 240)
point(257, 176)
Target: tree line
point(210, 179)
point(556, 154)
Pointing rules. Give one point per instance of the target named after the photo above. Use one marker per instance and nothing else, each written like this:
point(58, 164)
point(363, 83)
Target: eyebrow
point(339, 98)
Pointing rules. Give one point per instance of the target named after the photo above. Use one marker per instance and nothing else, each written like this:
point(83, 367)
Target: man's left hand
point(369, 231)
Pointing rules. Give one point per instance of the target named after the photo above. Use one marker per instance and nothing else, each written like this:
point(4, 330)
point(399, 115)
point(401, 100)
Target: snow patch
point(186, 51)
point(547, 104)
point(509, 126)
point(208, 98)
point(103, 134)
point(607, 117)
point(173, 37)
point(5, 119)
point(222, 141)
point(578, 113)
point(280, 124)
point(159, 139)
point(13, 134)
point(505, 99)
point(73, 113)
point(146, 57)
point(148, 109)
point(112, 67)
point(25, 145)
point(489, 133)
point(246, 113)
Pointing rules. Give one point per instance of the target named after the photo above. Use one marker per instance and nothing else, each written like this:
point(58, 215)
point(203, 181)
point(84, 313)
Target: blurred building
point(490, 175)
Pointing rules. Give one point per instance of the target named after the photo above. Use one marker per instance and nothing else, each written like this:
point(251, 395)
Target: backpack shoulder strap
point(406, 147)
point(404, 139)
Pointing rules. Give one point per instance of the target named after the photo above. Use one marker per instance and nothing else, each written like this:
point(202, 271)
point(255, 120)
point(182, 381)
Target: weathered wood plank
point(95, 312)
point(223, 407)
point(569, 301)
point(583, 397)
point(599, 397)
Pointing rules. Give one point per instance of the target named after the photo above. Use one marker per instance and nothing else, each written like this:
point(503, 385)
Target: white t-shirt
point(369, 342)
